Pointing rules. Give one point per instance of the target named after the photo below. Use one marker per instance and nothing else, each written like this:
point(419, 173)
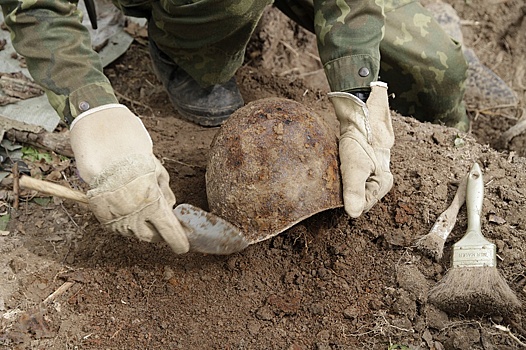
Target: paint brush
point(432, 244)
point(473, 285)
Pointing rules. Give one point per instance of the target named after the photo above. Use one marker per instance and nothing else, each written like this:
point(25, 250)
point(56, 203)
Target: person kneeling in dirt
point(196, 48)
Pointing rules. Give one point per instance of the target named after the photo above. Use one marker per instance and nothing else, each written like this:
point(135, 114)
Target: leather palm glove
point(366, 137)
point(130, 191)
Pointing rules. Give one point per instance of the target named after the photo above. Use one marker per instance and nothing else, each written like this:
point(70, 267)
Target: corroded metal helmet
point(272, 164)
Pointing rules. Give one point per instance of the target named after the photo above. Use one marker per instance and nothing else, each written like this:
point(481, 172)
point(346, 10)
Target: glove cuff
point(352, 113)
point(346, 95)
point(95, 110)
point(378, 83)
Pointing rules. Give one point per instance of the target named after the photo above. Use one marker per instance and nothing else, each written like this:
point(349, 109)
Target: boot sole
point(202, 120)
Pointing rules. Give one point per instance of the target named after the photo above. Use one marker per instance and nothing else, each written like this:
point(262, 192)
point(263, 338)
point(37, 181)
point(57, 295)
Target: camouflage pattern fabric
point(208, 38)
point(348, 35)
point(424, 67)
point(57, 48)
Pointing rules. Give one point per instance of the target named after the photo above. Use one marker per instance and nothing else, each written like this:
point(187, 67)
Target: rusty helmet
point(272, 164)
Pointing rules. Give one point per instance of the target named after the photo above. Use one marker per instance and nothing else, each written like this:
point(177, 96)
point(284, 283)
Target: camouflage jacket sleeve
point(58, 53)
point(349, 34)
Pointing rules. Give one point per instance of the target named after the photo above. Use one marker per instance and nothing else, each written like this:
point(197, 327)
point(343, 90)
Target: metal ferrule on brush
point(473, 250)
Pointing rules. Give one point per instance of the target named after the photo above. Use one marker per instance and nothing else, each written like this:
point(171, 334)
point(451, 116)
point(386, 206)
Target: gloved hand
point(366, 137)
point(130, 191)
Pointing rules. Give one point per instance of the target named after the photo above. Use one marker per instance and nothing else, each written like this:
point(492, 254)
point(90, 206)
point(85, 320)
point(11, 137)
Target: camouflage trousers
point(424, 67)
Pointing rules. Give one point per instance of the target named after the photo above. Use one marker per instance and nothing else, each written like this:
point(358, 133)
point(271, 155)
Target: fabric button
point(363, 72)
point(84, 106)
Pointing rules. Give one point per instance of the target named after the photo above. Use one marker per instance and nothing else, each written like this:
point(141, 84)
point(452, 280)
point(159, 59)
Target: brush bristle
point(431, 245)
point(474, 291)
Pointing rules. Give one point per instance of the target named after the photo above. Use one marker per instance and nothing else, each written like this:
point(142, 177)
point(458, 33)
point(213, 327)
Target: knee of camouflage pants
point(207, 38)
point(425, 68)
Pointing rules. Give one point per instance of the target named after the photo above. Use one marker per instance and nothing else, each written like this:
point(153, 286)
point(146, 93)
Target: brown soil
point(327, 283)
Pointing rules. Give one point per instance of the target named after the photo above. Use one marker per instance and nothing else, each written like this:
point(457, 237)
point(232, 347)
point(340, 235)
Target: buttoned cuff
point(352, 72)
point(86, 98)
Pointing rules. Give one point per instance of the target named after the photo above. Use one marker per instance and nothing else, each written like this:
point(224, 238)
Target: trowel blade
point(208, 233)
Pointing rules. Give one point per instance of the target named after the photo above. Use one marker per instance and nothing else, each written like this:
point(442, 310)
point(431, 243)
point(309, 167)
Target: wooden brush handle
point(474, 198)
point(52, 189)
point(459, 199)
point(446, 221)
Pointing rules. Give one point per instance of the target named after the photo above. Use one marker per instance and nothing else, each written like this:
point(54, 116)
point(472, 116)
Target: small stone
point(435, 318)
point(497, 319)
point(350, 313)
point(376, 304)
point(231, 264)
point(253, 328)
point(168, 273)
point(324, 274)
point(316, 309)
point(264, 313)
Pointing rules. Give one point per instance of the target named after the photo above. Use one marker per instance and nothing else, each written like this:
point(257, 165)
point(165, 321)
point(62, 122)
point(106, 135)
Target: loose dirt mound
point(327, 283)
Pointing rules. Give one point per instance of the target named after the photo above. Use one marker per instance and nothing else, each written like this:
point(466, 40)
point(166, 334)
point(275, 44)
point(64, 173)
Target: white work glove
point(366, 137)
point(130, 192)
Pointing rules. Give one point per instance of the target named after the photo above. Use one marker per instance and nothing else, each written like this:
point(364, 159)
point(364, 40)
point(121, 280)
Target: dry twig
point(134, 102)
point(512, 336)
point(514, 131)
point(16, 186)
point(60, 290)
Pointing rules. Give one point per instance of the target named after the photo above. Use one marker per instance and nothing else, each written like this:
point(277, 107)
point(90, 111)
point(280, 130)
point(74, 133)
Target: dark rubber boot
point(484, 88)
point(210, 106)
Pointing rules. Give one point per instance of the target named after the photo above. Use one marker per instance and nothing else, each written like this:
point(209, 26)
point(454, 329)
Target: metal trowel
point(206, 232)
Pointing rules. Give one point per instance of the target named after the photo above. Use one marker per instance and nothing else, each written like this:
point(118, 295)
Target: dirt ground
point(327, 283)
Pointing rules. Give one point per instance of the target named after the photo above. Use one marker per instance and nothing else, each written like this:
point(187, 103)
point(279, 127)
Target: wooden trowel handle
point(52, 189)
